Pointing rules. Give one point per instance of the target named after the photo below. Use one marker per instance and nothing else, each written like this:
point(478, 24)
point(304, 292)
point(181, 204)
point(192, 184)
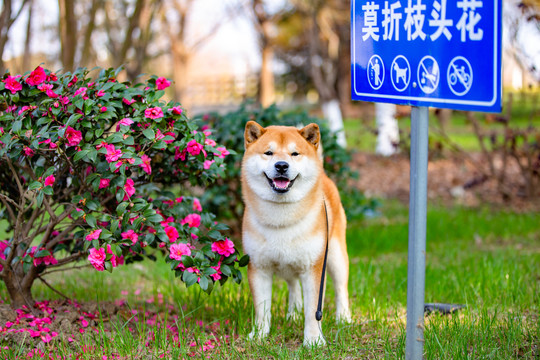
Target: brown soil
point(451, 180)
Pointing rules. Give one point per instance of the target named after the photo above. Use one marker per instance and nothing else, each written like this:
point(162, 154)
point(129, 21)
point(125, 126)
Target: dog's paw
point(257, 335)
point(314, 341)
point(344, 317)
point(293, 316)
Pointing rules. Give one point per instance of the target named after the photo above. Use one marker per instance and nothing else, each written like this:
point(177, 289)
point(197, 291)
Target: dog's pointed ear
point(252, 133)
point(312, 134)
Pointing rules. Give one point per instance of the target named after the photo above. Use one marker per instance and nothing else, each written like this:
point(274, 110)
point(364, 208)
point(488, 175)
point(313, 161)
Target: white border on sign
point(424, 99)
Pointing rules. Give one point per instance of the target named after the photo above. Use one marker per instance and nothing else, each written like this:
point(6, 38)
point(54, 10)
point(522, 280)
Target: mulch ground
point(451, 181)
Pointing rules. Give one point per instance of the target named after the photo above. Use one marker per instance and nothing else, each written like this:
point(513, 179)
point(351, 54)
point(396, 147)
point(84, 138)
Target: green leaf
point(121, 208)
point(244, 261)
point(226, 270)
point(16, 126)
point(80, 154)
point(39, 198)
point(149, 133)
point(203, 283)
point(187, 261)
point(214, 234)
point(34, 185)
point(189, 278)
point(91, 220)
point(42, 253)
point(48, 190)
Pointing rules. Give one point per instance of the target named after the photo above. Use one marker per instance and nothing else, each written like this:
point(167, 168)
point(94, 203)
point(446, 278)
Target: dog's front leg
point(260, 282)
point(310, 288)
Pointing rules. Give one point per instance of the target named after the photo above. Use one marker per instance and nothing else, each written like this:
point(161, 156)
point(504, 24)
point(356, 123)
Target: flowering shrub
point(99, 169)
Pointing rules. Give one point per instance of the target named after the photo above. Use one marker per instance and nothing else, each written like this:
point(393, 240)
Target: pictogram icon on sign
point(400, 73)
point(428, 74)
point(375, 72)
point(459, 76)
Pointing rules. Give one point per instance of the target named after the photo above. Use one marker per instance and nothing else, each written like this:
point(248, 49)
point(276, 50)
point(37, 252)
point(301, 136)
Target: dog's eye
point(268, 153)
point(295, 154)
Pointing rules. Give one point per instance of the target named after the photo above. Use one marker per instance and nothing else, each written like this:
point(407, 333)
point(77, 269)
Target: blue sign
point(440, 53)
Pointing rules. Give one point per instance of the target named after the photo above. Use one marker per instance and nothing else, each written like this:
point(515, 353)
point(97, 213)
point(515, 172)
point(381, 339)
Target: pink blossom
point(146, 164)
point(94, 235)
point(223, 247)
point(104, 183)
point(124, 122)
point(129, 188)
point(80, 91)
point(159, 135)
point(49, 180)
point(45, 87)
point(73, 81)
point(103, 109)
point(180, 155)
point(113, 154)
point(207, 164)
point(12, 84)
point(131, 235)
point(72, 136)
point(210, 142)
point(162, 83)
point(193, 220)
point(222, 152)
point(128, 102)
point(171, 134)
point(97, 258)
point(36, 77)
point(217, 275)
point(28, 152)
point(115, 260)
point(197, 205)
point(194, 148)
point(172, 233)
point(153, 113)
point(100, 93)
point(177, 250)
point(177, 110)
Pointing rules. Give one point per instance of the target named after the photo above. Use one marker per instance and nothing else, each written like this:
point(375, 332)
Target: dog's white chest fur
point(283, 242)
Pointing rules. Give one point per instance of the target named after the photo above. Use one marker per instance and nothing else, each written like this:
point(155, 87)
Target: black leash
point(318, 314)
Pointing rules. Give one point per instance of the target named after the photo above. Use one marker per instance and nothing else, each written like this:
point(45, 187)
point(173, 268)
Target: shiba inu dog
point(291, 209)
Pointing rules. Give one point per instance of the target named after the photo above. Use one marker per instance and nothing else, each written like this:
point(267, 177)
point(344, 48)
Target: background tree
point(9, 13)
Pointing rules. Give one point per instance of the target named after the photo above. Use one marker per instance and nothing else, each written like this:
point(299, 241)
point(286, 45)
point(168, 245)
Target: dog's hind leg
point(295, 298)
point(338, 269)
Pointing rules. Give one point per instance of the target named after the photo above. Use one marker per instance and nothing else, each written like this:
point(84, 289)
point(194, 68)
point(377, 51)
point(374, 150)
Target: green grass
point(483, 258)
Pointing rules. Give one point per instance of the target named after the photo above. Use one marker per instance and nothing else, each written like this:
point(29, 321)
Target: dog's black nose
point(281, 167)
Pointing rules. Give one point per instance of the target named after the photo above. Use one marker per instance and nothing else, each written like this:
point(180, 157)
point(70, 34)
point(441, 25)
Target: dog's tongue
point(281, 183)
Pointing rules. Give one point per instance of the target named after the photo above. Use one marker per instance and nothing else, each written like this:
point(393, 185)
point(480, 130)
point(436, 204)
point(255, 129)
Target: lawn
point(485, 259)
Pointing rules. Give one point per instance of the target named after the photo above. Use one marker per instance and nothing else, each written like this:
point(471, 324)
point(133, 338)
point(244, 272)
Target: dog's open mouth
point(280, 184)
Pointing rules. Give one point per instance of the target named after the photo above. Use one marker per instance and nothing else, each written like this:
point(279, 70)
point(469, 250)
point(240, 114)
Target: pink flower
point(12, 84)
point(222, 152)
point(131, 235)
point(223, 247)
point(173, 135)
point(153, 113)
point(179, 155)
point(162, 83)
point(146, 164)
point(159, 135)
point(80, 91)
point(210, 142)
point(197, 205)
point(97, 258)
point(94, 235)
point(115, 260)
point(177, 110)
point(177, 250)
point(103, 109)
point(128, 102)
point(100, 93)
point(217, 275)
point(113, 154)
point(72, 136)
point(28, 151)
point(172, 233)
point(194, 148)
point(129, 188)
point(207, 164)
point(49, 180)
point(124, 122)
point(193, 220)
point(36, 77)
point(104, 183)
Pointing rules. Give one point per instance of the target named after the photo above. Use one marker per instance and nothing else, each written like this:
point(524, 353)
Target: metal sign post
point(416, 264)
point(423, 53)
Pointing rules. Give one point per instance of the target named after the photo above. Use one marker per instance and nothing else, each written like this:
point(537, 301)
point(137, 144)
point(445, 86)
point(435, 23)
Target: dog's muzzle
point(280, 182)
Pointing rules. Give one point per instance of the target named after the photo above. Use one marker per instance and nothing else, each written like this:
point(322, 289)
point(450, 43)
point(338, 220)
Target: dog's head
point(280, 162)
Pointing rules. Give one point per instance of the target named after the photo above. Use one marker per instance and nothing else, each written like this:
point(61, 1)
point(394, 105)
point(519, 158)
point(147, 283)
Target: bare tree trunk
point(267, 90)
point(20, 292)
point(67, 26)
point(87, 40)
point(26, 55)
point(387, 127)
point(7, 18)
